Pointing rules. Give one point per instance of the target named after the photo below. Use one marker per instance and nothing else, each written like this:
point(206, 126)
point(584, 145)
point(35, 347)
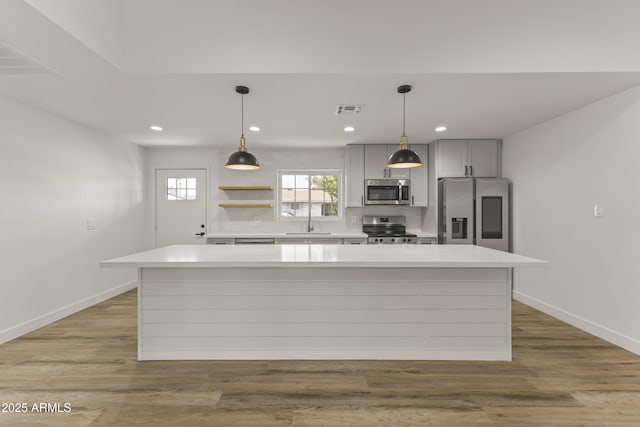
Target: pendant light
point(242, 159)
point(404, 157)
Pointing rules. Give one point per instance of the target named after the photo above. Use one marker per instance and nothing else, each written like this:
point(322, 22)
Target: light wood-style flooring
point(559, 376)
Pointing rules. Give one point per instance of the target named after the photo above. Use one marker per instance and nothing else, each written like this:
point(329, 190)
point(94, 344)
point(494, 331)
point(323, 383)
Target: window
point(309, 192)
point(181, 188)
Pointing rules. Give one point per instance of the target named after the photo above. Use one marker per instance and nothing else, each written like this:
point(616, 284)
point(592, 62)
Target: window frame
point(310, 172)
point(186, 189)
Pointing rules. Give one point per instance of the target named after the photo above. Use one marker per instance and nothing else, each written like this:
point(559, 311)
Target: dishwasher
point(255, 241)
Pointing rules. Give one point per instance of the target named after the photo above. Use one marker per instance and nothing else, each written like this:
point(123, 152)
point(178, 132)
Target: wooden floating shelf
point(245, 205)
point(244, 187)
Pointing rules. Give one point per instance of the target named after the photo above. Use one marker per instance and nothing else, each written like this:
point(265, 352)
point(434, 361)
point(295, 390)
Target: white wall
point(560, 169)
point(271, 159)
point(54, 176)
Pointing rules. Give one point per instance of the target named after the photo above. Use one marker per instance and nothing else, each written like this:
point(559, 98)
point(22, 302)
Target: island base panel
point(324, 313)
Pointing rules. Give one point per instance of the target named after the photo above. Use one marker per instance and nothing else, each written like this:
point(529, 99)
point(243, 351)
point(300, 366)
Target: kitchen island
point(428, 302)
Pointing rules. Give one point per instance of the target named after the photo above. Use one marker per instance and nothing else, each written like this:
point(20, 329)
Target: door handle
point(466, 170)
point(471, 170)
point(200, 234)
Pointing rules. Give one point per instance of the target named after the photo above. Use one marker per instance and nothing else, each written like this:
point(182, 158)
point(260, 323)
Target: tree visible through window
point(309, 192)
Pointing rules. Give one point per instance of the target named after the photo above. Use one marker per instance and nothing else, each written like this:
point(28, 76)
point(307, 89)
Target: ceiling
point(483, 68)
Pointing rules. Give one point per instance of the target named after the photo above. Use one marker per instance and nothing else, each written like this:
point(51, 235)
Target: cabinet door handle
point(466, 170)
point(471, 170)
point(361, 200)
point(413, 202)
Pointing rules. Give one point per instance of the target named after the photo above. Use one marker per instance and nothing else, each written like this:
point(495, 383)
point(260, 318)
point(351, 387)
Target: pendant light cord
point(243, 144)
point(404, 141)
point(404, 104)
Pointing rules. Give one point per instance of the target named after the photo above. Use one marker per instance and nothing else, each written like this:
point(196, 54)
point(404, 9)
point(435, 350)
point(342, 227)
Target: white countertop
point(302, 235)
point(331, 256)
point(282, 234)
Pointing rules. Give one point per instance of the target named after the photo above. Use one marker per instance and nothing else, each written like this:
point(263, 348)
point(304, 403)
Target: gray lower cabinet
point(427, 240)
point(220, 241)
point(355, 241)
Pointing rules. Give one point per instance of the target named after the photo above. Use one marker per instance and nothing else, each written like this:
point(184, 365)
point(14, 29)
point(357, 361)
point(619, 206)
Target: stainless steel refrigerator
point(474, 211)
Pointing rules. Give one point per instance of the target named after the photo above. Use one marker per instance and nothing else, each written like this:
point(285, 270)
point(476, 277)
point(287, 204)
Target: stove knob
point(404, 240)
point(393, 240)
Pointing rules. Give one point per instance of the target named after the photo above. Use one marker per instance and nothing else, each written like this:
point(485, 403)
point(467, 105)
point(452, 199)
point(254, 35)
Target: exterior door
point(181, 206)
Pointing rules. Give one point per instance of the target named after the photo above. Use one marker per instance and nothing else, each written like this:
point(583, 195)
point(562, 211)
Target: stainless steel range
point(390, 230)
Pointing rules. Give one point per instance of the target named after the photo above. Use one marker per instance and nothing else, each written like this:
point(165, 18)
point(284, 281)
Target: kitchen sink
point(312, 233)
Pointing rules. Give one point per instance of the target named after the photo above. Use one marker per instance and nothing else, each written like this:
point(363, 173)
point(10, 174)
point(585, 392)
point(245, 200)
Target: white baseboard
point(37, 323)
point(599, 331)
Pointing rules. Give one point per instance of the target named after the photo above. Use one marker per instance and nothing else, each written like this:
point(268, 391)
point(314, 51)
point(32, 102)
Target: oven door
point(387, 192)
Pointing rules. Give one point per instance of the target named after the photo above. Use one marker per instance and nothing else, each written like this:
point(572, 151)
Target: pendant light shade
point(242, 159)
point(404, 157)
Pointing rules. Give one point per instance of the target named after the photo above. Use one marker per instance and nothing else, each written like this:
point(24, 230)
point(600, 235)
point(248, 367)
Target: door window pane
point(181, 188)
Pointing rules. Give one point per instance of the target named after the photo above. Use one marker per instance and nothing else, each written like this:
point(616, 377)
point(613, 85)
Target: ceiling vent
point(14, 62)
point(348, 109)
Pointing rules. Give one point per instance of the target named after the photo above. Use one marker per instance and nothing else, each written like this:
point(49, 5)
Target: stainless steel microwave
point(386, 191)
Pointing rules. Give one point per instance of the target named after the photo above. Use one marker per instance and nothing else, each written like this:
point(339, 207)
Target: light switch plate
point(91, 224)
point(597, 211)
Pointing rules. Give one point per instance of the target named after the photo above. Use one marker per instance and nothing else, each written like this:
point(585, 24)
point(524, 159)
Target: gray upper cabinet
point(375, 162)
point(452, 158)
point(484, 158)
point(354, 176)
point(364, 161)
point(472, 158)
point(420, 177)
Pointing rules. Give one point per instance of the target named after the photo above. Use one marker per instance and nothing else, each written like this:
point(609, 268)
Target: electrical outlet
point(91, 224)
point(597, 211)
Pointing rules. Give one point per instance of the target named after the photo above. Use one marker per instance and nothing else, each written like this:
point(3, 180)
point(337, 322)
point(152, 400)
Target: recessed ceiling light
point(254, 128)
point(440, 128)
point(349, 129)
point(156, 128)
